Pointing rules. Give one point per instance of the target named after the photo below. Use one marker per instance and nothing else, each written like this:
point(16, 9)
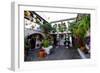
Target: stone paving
point(60, 53)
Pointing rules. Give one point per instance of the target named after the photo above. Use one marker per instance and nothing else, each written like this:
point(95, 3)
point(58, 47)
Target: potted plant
point(46, 46)
point(79, 29)
point(54, 28)
point(45, 43)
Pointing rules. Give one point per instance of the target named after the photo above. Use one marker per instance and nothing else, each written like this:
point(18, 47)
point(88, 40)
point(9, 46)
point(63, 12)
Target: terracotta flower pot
point(41, 54)
point(82, 48)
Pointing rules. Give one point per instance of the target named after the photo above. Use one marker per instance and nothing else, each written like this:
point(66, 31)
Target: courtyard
point(56, 36)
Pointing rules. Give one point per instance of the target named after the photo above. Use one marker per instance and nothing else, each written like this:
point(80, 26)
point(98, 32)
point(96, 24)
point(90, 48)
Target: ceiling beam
point(63, 20)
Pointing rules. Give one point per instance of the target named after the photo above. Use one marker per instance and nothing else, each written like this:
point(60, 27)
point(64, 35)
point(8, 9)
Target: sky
point(56, 16)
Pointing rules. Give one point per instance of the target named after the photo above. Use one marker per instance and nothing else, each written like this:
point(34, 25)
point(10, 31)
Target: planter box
point(47, 49)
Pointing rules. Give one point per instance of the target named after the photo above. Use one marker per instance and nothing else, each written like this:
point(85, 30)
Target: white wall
point(5, 38)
